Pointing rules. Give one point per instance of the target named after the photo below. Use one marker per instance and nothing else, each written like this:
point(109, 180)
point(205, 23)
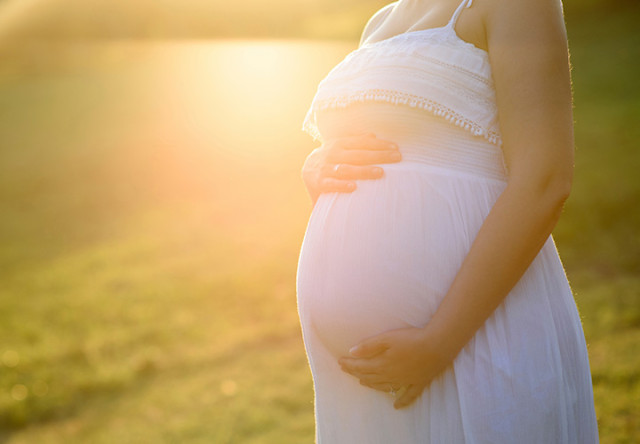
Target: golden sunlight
point(152, 213)
point(238, 97)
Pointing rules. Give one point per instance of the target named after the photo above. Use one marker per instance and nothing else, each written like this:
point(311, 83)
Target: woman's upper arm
point(375, 21)
point(530, 63)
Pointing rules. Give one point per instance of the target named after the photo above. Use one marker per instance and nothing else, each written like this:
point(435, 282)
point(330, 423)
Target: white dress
point(384, 256)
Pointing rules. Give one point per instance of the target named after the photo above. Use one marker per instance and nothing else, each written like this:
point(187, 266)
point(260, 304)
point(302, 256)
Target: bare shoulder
point(375, 21)
point(529, 59)
point(524, 21)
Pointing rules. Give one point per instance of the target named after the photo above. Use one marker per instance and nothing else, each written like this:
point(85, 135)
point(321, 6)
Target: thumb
point(369, 347)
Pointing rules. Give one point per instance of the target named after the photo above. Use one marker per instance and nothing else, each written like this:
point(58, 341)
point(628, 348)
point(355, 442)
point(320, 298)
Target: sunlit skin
point(336, 165)
point(527, 45)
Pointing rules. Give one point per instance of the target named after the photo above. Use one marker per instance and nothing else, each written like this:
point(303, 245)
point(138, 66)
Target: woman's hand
point(334, 166)
point(403, 361)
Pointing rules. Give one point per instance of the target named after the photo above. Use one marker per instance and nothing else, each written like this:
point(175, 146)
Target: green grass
point(147, 291)
point(598, 235)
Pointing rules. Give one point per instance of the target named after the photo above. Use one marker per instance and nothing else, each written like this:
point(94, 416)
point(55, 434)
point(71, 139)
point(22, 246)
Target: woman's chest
point(403, 19)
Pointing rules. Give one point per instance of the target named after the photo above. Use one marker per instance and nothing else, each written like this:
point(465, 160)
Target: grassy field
point(147, 272)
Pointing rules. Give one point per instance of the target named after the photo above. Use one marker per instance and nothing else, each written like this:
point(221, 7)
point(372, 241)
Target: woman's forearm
point(511, 236)
point(530, 66)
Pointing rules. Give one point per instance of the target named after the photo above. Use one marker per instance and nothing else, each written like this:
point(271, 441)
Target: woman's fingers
point(361, 367)
point(337, 164)
point(362, 150)
point(374, 379)
point(340, 177)
point(331, 185)
point(408, 396)
point(380, 386)
point(352, 172)
point(370, 347)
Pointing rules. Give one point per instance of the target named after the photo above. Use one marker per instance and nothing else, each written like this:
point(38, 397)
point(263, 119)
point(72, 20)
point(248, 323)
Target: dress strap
point(456, 14)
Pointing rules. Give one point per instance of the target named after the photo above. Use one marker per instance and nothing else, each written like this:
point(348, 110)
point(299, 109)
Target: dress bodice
point(431, 69)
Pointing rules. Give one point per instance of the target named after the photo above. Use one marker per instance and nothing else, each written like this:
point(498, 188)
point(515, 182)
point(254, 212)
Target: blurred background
point(151, 214)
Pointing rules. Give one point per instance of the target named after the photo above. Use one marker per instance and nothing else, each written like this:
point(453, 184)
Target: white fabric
point(384, 256)
point(431, 69)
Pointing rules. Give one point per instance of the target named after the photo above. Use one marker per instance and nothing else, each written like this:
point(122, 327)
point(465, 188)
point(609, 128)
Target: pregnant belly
point(379, 258)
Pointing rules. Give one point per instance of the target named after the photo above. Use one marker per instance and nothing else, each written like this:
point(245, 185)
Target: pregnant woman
point(433, 303)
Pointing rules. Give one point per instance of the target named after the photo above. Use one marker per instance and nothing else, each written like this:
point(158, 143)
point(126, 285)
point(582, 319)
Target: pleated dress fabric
point(384, 256)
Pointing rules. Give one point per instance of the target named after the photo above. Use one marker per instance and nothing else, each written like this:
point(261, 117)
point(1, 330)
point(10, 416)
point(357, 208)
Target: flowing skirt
point(383, 257)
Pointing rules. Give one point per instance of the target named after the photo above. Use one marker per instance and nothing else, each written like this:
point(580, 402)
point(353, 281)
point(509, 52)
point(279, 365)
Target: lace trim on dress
point(431, 69)
point(398, 98)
